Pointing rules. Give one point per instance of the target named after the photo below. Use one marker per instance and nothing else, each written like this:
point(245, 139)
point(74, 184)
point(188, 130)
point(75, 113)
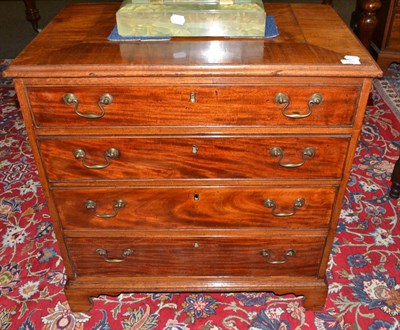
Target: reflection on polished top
point(78, 38)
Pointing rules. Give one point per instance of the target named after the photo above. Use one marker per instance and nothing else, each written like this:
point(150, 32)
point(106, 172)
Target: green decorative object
point(185, 18)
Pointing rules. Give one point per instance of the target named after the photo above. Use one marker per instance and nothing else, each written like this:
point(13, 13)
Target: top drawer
point(228, 105)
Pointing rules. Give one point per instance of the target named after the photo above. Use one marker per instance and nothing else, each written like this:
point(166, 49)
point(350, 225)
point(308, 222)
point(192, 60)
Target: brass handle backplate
point(282, 98)
point(109, 154)
point(105, 99)
point(104, 254)
point(270, 203)
point(288, 253)
point(118, 204)
point(308, 152)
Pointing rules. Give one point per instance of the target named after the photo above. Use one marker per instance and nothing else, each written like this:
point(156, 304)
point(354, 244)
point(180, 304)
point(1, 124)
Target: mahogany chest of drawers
point(194, 164)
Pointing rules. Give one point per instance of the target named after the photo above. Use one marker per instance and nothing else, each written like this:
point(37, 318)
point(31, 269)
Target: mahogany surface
point(218, 257)
point(77, 38)
point(197, 136)
point(162, 105)
point(33, 15)
point(173, 158)
point(178, 207)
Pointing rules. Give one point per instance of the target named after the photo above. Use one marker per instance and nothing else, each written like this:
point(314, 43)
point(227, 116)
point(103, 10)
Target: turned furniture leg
point(368, 21)
point(395, 189)
point(32, 13)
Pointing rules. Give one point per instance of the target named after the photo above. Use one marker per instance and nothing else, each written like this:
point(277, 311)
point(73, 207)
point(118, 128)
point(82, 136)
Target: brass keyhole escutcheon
point(195, 149)
point(192, 97)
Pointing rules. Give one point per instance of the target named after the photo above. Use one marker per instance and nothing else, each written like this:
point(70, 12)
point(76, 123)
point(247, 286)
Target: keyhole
point(196, 197)
point(192, 97)
point(194, 149)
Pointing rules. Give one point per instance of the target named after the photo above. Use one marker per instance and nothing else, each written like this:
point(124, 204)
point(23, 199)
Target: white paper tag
point(178, 55)
point(351, 59)
point(177, 19)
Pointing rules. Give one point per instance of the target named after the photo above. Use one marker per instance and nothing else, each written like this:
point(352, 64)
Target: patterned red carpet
point(364, 272)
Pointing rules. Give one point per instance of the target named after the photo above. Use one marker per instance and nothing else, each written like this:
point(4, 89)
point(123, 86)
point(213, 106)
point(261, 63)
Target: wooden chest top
point(77, 39)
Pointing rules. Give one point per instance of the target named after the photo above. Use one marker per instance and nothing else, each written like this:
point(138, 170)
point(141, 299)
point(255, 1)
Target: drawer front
point(68, 106)
point(198, 256)
point(195, 207)
point(185, 158)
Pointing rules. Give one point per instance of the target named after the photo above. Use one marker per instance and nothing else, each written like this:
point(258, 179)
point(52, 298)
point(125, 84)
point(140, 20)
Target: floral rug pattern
point(363, 274)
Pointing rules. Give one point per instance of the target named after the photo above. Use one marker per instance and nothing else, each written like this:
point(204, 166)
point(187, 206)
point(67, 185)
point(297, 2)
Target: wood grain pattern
point(198, 256)
point(214, 105)
point(163, 208)
point(75, 40)
point(173, 158)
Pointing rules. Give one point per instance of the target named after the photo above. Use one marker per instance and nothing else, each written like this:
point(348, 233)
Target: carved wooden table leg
point(368, 21)
point(32, 13)
point(395, 189)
